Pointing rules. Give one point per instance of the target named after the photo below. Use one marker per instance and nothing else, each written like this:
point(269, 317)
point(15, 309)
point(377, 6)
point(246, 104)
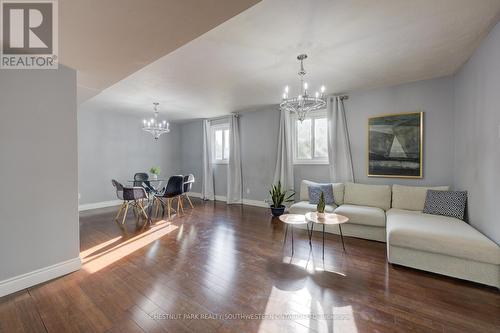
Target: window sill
point(311, 162)
point(220, 162)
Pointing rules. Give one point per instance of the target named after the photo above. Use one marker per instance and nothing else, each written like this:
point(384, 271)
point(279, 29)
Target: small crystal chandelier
point(154, 126)
point(303, 103)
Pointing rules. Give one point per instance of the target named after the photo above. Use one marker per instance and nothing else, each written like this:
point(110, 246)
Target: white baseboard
point(24, 281)
point(101, 204)
point(249, 202)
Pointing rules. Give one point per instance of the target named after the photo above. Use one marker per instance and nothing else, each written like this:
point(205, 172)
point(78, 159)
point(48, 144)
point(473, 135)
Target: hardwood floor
point(222, 268)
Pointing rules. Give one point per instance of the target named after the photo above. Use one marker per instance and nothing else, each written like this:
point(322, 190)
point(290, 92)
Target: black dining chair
point(142, 179)
point(188, 184)
point(173, 190)
point(131, 196)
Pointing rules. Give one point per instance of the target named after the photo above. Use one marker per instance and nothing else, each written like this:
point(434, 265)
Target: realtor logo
point(29, 34)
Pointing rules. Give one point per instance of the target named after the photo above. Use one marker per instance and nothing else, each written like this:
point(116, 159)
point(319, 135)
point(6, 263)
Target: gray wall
point(112, 145)
point(259, 138)
point(477, 134)
point(38, 145)
point(435, 98)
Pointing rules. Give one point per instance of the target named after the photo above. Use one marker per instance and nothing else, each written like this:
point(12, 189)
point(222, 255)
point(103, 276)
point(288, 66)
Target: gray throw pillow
point(446, 203)
point(315, 193)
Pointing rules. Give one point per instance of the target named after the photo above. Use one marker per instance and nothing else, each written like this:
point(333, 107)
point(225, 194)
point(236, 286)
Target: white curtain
point(339, 150)
point(234, 187)
point(207, 188)
point(284, 165)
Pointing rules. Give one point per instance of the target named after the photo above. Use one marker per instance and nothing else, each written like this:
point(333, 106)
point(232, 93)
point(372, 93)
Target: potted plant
point(279, 197)
point(320, 208)
point(154, 172)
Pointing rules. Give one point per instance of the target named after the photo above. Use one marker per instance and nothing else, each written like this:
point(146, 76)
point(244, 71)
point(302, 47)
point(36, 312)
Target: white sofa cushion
point(412, 197)
point(303, 207)
point(338, 191)
point(368, 195)
point(439, 234)
point(372, 216)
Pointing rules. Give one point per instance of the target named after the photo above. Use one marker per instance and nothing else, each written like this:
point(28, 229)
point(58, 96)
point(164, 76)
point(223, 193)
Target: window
point(310, 139)
point(220, 143)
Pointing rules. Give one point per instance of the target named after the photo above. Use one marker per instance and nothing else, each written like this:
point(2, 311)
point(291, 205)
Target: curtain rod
point(341, 97)
point(224, 117)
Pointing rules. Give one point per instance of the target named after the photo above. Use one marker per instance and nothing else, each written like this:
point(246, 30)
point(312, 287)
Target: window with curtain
point(310, 139)
point(220, 143)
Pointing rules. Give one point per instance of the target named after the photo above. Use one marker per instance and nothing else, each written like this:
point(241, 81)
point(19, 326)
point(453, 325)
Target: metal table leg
point(323, 242)
point(286, 232)
point(342, 237)
point(292, 240)
point(309, 234)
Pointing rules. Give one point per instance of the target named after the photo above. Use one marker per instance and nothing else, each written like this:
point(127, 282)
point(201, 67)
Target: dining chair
point(142, 179)
point(188, 184)
point(131, 196)
point(173, 190)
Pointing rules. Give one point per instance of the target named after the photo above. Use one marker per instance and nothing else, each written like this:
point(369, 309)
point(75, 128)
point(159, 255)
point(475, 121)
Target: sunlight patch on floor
point(298, 310)
point(310, 266)
point(93, 260)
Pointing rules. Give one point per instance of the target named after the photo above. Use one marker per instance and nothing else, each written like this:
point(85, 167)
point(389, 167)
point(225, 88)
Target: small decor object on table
point(154, 172)
point(321, 206)
point(279, 197)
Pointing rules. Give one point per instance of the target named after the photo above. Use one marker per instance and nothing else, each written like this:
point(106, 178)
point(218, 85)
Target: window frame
point(213, 129)
point(313, 160)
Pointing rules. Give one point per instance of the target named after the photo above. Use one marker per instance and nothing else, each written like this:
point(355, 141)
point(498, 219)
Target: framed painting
point(395, 145)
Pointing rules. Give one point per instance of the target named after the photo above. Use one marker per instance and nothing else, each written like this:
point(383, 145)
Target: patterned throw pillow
point(315, 193)
point(447, 203)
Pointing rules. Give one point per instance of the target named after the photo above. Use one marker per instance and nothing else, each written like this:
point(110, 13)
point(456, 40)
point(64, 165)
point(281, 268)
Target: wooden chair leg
point(125, 214)
point(143, 211)
point(181, 203)
point(178, 205)
point(157, 202)
point(189, 200)
point(119, 212)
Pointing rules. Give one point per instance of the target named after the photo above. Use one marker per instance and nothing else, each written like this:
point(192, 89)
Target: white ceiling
point(245, 62)
point(108, 40)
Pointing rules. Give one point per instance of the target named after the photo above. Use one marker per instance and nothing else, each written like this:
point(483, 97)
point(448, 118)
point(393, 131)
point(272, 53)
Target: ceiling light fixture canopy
point(154, 125)
point(303, 103)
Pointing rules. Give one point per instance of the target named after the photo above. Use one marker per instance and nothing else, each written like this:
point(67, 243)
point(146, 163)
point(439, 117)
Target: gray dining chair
point(131, 196)
point(188, 184)
point(173, 190)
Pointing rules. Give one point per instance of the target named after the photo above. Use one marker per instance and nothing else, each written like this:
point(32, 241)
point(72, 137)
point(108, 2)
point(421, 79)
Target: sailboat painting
point(395, 145)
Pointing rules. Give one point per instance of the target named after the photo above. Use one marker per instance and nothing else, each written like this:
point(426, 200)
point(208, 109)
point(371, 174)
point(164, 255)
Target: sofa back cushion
point(338, 191)
point(446, 203)
point(412, 197)
point(368, 195)
point(315, 194)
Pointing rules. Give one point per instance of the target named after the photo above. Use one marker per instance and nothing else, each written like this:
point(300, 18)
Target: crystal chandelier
point(155, 126)
point(303, 103)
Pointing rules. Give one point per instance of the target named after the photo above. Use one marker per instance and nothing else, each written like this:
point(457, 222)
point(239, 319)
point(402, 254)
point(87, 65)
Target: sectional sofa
point(393, 214)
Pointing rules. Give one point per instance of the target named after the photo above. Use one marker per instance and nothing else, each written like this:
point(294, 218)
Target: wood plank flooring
point(223, 268)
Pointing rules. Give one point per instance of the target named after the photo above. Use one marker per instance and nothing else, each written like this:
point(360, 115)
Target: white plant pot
point(153, 176)
point(320, 215)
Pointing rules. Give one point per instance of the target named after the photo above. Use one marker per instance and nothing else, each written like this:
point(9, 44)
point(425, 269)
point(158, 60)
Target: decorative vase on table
point(279, 197)
point(320, 208)
point(153, 173)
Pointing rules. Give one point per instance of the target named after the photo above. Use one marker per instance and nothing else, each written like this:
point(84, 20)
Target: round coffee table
point(328, 219)
point(292, 220)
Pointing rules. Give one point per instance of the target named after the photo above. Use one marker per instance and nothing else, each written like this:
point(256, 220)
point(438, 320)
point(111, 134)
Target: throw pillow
point(315, 193)
point(446, 203)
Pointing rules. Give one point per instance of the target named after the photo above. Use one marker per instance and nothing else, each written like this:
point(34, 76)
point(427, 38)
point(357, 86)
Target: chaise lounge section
point(433, 243)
